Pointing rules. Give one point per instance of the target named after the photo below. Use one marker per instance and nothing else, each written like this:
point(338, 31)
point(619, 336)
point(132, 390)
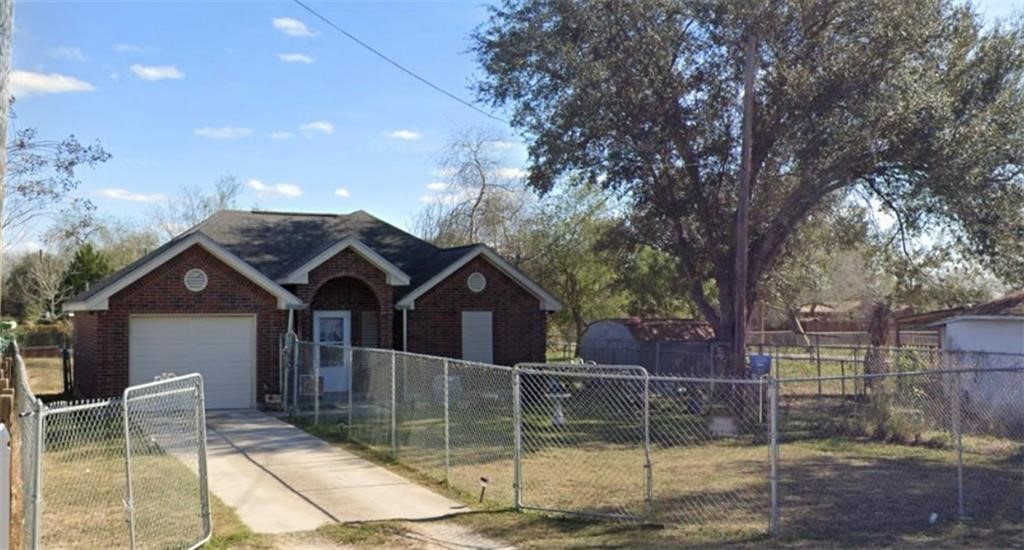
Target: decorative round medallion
point(195, 280)
point(476, 282)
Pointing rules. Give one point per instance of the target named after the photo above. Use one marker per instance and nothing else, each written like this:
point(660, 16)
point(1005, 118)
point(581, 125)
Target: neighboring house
point(662, 346)
point(989, 336)
point(218, 298)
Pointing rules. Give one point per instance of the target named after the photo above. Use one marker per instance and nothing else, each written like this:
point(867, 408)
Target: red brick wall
point(324, 291)
point(162, 292)
point(84, 360)
point(520, 327)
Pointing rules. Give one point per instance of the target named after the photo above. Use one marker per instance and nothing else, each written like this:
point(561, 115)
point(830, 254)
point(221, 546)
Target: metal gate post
point(648, 467)
point(349, 359)
point(295, 375)
point(773, 453)
point(517, 430)
point(129, 498)
point(447, 428)
point(204, 489)
point(394, 405)
point(37, 497)
point(958, 436)
point(316, 385)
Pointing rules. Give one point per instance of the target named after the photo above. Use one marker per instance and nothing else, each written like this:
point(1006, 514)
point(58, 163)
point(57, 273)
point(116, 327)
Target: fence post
point(204, 488)
point(773, 453)
point(517, 430)
point(350, 360)
point(282, 365)
point(5, 493)
point(648, 467)
point(958, 436)
point(295, 376)
point(394, 405)
point(37, 496)
point(129, 498)
point(447, 428)
point(316, 385)
point(817, 349)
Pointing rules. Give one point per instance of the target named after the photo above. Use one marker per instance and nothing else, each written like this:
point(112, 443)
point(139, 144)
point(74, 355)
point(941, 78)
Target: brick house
point(217, 299)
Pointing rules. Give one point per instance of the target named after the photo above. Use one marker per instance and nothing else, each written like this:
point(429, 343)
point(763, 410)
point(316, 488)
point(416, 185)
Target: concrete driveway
point(280, 479)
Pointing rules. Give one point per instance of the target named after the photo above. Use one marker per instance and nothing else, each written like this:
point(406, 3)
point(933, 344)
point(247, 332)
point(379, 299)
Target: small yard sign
point(760, 365)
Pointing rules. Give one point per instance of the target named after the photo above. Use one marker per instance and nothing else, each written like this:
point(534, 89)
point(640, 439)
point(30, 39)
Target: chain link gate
point(583, 426)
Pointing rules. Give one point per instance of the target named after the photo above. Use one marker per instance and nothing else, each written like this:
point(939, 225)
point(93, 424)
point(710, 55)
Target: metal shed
point(663, 346)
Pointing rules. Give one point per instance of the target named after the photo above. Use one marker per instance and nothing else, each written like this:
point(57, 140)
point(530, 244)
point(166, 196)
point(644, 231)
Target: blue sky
point(182, 93)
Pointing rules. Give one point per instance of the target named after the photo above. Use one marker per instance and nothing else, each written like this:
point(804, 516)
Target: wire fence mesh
point(107, 473)
point(716, 458)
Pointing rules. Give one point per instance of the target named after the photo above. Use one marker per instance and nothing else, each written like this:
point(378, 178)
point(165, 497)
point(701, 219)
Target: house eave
point(394, 275)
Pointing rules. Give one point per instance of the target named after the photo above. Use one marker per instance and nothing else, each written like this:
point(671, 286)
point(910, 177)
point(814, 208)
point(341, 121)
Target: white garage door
point(222, 349)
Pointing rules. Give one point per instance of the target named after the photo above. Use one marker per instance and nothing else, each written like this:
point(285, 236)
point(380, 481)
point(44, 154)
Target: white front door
point(333, 332)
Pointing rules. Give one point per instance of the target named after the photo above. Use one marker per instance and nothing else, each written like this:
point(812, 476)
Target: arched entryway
point(340, 300)
point(344, 311)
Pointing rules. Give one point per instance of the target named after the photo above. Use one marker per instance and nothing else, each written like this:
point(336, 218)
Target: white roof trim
point(978, 318)
point(100, 301)
point(547, 301)
point(395, 276)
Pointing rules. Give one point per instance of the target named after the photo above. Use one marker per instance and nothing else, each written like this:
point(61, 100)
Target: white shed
point(990, 336)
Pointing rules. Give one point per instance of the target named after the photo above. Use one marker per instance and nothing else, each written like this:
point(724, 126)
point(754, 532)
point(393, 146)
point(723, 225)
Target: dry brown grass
point(44, 375)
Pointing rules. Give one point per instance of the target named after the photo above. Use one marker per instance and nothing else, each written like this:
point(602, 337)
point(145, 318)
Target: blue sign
point(760, 365)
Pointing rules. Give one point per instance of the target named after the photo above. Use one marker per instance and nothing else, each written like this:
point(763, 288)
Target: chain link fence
point(899, 455)
point(127, 472)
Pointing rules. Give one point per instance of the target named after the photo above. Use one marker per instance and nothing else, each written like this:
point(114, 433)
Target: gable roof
point(1008, 307)
point(284, 246)
point(547, 301)
point(98, 296)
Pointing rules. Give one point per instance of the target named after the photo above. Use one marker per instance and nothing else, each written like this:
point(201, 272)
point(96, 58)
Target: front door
point(333, 332)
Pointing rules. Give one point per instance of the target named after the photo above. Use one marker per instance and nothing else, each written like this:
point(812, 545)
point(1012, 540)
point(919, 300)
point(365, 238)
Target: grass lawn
point(833, 491)
point(44, 375)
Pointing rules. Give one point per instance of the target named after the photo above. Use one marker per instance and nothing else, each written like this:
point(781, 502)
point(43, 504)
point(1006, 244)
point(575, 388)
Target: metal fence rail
point(900, 454)
point(122, 472)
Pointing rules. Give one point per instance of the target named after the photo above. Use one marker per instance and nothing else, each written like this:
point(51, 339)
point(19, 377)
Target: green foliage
point(88, 266)
point(916, 104)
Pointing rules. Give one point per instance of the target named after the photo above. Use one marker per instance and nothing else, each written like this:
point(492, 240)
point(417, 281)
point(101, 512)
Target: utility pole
point(6, 30)
point(742, 209)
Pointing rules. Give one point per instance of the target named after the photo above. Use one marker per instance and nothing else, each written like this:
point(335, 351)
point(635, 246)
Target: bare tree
point(38, 280)
point(194, 204)
point(483, 201)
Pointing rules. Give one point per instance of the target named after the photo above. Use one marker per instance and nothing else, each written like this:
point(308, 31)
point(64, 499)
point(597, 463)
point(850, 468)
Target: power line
point(398, 65)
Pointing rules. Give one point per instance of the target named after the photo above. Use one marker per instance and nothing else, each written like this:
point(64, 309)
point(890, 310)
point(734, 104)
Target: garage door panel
point(220, 348)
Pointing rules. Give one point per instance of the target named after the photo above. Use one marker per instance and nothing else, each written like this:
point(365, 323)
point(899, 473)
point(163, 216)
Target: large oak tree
point(915, 102)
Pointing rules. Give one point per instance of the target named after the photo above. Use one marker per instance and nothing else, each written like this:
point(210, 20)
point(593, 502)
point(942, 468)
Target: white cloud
point(65, 52)
point(280, 134)
point(292, 27)
point(505, 145)
point(511, 173)
point(321, 126)
point(26, 83)
point(276, 190)
point(342, 192)
point(407, 135)
point(157, 72)
point(115, 76)
point(130, 48)
point(224, 132)
point(441, 198)
point(125, 195)
point(437, 186)
point(294, 58)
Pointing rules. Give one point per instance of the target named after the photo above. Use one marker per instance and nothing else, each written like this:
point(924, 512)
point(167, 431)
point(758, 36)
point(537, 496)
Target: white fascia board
point(547, 301)
point(100, 301)
point(395, 276)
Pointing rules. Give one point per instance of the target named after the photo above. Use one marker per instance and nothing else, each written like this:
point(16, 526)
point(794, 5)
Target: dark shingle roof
point(276, 243)
point(1011, 305)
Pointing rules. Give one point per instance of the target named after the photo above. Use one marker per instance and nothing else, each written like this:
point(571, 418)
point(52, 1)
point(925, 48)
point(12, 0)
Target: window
point(477, 336)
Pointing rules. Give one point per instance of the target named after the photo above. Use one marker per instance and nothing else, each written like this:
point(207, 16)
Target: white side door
point(334, 329)
point(478, 336)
